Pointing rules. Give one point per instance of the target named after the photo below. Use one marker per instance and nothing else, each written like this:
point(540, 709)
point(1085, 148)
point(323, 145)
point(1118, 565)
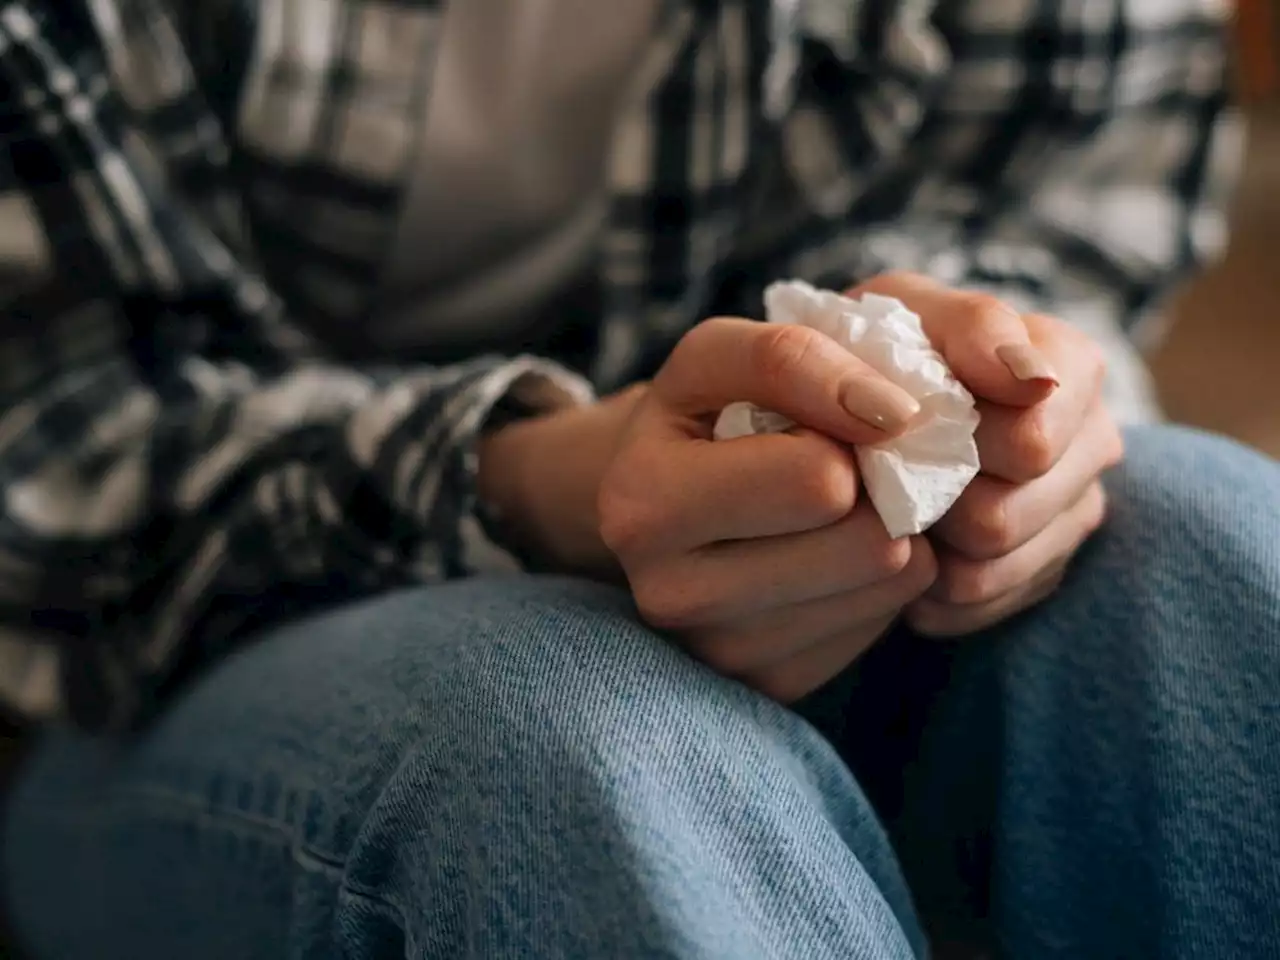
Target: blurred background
point(1220, 366)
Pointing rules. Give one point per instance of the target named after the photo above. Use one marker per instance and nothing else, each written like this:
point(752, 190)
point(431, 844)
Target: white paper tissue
point(914, 478)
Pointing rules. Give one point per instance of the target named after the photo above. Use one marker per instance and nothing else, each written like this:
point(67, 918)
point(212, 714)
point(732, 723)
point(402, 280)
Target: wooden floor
point(1220, 367)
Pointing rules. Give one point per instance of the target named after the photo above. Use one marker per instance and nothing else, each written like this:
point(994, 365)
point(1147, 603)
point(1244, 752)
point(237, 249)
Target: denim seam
point(239, 823)
point(233, 821)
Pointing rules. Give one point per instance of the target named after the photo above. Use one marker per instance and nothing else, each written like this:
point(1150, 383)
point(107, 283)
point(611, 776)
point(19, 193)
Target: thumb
point(984, 341)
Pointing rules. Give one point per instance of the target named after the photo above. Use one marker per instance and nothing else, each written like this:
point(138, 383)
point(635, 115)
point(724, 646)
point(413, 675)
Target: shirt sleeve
point(167, 472)
point(1074, 168)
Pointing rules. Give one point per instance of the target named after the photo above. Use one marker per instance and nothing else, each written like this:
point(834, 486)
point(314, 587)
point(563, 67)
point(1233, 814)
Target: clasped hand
point(761, 555)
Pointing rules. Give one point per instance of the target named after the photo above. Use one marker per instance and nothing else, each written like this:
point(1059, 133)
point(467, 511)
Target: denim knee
point(556, 665)
point(1193, 506)
point(558, 675)
point(564, 737)
point(1188, 565)
point(487, 768)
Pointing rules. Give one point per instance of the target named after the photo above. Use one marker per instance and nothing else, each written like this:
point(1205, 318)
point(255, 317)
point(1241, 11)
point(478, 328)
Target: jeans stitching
point(176, 806)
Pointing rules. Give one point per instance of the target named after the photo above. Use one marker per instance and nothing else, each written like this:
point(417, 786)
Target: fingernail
point(880, 404)
point(1026, 362)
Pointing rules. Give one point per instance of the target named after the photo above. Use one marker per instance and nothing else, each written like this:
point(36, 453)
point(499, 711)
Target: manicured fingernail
point(880, 404)
point(1026, 362)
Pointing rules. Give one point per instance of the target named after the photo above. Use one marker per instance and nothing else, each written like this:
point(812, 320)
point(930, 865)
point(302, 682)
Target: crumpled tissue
point(914, 478)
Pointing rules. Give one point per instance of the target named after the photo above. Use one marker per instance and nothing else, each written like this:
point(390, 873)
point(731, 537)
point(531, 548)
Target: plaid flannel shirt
point(183, 185)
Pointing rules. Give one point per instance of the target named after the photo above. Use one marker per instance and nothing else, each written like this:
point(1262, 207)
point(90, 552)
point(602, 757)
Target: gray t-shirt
point(508, 197)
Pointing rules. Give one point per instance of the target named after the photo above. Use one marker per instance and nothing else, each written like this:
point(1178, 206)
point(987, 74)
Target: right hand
point(757, 552)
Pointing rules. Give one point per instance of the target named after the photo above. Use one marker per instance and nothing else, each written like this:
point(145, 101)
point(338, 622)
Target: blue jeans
point(519, 768)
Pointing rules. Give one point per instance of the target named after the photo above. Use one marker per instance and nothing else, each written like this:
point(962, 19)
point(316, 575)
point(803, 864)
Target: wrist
point(540, 477)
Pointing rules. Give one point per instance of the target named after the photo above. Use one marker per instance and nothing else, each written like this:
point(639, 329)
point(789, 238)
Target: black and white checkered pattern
point(185, 186)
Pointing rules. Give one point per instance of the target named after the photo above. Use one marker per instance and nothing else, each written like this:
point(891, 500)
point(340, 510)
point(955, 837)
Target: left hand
point(1045, 440)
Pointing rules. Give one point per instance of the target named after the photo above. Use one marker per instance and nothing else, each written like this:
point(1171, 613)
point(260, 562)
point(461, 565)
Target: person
point(370, 574)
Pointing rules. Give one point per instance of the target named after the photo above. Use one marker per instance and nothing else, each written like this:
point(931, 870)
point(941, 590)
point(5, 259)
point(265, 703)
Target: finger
point(1019, 444)
point(930, 618)
point(665, 497)
point(752, 645)
point(807, 671)
point(795, 371)
point(965, 581)
point(731, 581)
point(983, 340)
point(993, 517)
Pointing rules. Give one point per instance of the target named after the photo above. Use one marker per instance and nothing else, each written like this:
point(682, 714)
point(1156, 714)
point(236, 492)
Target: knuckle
point(966, 583)
point(1034, 450)
point(1095, 514)
point(1086, 356)
point(691, 342)
point(781, 351)
point(1114, 453)
point(631, 510)
point(921, 571)
point(991, 533)
point(982, 309)
point(687, 356)
point(1095, 360)
point(669, 602)
point(827, 483)
point(893, 280)
point(889, 558)
point(625, 522)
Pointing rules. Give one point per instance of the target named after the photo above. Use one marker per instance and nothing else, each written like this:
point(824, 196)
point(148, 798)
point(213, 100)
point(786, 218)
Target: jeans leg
point(1101, 777)
point(489, 769)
